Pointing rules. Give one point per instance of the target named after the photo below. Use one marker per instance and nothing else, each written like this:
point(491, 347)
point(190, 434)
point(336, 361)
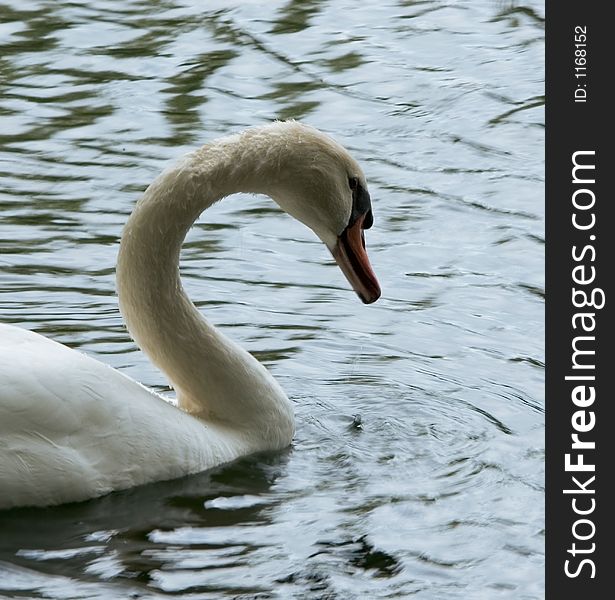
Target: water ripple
point(417, 468)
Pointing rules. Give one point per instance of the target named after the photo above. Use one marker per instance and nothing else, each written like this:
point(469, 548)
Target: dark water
point(438, 492)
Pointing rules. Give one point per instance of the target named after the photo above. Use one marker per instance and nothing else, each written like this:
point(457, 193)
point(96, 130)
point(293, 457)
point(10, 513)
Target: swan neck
point(213, 377)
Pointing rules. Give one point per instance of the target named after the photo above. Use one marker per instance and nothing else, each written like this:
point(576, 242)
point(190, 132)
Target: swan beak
point(349, 253)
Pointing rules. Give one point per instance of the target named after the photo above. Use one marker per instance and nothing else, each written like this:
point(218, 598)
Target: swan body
point(73, 428)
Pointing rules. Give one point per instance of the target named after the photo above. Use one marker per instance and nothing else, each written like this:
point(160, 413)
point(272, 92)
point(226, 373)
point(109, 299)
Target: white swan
point(72, 428)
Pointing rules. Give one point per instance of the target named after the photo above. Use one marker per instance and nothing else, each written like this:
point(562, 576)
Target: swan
point(73, 428)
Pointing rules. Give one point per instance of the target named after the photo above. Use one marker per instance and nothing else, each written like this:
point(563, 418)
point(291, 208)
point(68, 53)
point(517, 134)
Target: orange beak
point(349, 253)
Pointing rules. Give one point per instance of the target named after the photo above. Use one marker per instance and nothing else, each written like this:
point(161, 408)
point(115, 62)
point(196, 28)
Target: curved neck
point(214, 378)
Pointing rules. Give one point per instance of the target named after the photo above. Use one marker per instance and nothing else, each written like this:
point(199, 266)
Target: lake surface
point(417, 466)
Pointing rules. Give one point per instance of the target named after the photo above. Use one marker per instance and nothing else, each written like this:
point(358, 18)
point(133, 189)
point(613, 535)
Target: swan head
point(317, 181)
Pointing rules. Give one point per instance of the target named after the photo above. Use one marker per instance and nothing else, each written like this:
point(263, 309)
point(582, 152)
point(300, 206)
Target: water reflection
point(120, 535)
point(186, 96)
point(417, 467)
point(290, 95)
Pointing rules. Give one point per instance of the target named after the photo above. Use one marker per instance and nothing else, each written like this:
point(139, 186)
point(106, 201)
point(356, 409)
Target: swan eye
point(361, 204)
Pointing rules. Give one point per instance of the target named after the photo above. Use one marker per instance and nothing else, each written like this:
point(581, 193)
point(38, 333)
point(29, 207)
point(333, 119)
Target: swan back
point(73, 428)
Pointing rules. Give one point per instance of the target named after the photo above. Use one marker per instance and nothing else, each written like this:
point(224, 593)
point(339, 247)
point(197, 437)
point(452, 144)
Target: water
point(436, 490)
